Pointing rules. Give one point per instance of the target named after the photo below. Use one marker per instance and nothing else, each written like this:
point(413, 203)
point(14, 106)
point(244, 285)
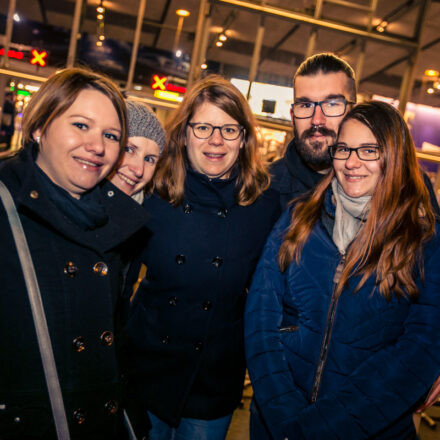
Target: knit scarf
point(350, 213)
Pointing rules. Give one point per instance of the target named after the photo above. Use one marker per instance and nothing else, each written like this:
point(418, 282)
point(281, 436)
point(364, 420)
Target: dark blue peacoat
point(185, 332)
point(79, 275)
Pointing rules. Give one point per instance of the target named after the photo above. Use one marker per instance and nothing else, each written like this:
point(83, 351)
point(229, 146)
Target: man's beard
point(314, 153)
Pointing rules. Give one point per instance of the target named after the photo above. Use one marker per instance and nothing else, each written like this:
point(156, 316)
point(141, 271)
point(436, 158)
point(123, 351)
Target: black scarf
point(87, 213)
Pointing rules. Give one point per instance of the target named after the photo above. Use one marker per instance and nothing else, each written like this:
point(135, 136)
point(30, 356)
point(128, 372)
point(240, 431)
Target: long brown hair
point(401, 216)
point(169, 178)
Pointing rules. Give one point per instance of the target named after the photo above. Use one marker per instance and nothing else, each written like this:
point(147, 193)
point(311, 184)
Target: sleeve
point(277, 396)
point(387, 385)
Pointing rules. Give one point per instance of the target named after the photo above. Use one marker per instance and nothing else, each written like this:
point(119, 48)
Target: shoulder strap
point(44, 343)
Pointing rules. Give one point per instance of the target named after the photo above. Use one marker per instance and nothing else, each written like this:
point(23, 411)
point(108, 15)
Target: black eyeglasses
point(342, 152)
point(330, 107)
point(204, 130)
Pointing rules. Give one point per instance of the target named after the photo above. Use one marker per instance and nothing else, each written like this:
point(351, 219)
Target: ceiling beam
point(325, 24)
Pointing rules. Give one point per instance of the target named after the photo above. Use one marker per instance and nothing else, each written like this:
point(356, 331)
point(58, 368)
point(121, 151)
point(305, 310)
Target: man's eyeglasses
point(203, 130)
point(342, 152)
point(330, 107)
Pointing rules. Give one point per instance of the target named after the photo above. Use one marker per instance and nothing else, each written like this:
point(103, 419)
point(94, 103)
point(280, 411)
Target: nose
point(95, 144)
point(353, 160)
point(136, 166)
point(318, 117)
point(216, 137)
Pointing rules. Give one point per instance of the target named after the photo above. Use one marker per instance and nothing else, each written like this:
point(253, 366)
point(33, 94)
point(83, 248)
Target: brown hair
point(59, 92)
point(170, 175)
point(328, 63)
point(401, 216)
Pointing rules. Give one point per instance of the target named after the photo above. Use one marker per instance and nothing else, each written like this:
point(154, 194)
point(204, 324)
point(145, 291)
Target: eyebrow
point(365, 144)
point(93, 120)
point(333, 96)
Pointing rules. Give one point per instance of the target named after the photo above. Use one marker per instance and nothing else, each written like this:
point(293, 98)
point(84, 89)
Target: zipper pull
point(339, 269)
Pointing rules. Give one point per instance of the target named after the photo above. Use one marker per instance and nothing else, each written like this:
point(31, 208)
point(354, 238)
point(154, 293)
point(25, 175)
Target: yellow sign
point(168, 96)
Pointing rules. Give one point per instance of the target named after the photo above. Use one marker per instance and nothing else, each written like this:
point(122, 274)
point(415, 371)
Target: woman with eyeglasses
point(210, 213)
point(342, 320)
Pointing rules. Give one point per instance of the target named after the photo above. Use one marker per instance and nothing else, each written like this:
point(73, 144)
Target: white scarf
point(350, 212)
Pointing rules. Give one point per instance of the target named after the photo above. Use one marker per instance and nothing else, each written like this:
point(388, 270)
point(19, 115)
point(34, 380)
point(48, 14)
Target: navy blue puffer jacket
point(352, 368)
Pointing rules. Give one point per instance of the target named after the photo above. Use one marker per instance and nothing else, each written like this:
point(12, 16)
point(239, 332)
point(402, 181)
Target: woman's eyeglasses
point(204, 130)
point(342, 152)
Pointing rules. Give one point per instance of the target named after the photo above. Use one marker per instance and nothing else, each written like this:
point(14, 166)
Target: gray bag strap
point(46, 352)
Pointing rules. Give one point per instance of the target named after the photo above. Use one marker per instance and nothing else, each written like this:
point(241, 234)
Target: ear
point(36, 134)
point(291, 115)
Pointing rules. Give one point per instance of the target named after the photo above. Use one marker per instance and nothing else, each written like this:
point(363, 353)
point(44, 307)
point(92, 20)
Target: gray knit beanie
point(143, 122)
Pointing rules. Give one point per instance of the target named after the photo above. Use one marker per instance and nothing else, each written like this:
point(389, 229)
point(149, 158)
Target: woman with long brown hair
point(343, 316)
point(211, 211)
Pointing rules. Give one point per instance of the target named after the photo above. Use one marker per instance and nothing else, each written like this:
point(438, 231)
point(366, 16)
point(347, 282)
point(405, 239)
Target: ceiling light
point(380, 28)
point(431, 72)
point(204, 66)
point(101, 37)
point(430, 90)
point(178, 53)
point(437, 85)
point(219, 44)
point(17, 18)
point(99, 43)
point(183, 13)
point(100, 17)
point(222, 37)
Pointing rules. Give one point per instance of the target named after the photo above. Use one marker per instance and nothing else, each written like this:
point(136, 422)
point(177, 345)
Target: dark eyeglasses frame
point(332, 149)
point(214, 127)
point(315, 103)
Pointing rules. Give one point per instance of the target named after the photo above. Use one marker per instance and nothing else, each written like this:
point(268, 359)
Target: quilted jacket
point(347, 368)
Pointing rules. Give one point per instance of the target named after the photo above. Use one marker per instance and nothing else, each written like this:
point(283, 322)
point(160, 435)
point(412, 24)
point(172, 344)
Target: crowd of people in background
point(320, 273)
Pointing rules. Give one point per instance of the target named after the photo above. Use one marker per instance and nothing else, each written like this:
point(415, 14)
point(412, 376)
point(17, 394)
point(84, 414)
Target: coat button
point(217, 261)
point(101, 269)
point(107, 338)
point(70, 269)
point(180, 259)
point(172, 300)
point(222, 213)
point(206, 305)
point(34, 194)
point(111, 407)
point(198, 346)
point(187, 208)
point(79, 343)
point(165, 340)
point(79, 416)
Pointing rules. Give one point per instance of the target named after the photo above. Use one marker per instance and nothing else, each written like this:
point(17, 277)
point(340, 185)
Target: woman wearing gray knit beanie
point(146, 139)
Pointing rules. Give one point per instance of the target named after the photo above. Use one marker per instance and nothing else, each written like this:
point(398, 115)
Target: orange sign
point(38, 58)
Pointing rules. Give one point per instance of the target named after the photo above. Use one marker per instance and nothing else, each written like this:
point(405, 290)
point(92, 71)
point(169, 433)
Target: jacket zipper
point(328, 331)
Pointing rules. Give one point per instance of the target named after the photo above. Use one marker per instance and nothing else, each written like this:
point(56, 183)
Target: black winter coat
point(185, 332)
point(79, 275)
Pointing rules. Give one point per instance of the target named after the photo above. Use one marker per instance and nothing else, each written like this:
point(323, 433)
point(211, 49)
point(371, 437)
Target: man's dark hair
point(327, 63)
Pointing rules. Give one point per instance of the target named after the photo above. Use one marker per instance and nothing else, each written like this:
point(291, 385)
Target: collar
point(212, 193)
point(299, 169)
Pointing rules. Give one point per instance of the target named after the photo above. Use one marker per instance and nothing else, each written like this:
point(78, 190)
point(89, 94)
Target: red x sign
point(38, 58)
point(159, 82)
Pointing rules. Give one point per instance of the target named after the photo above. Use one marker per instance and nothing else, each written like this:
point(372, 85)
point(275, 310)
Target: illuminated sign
point(38, 57)
point(12, 54)
point(161, 83)
point(168, 96)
